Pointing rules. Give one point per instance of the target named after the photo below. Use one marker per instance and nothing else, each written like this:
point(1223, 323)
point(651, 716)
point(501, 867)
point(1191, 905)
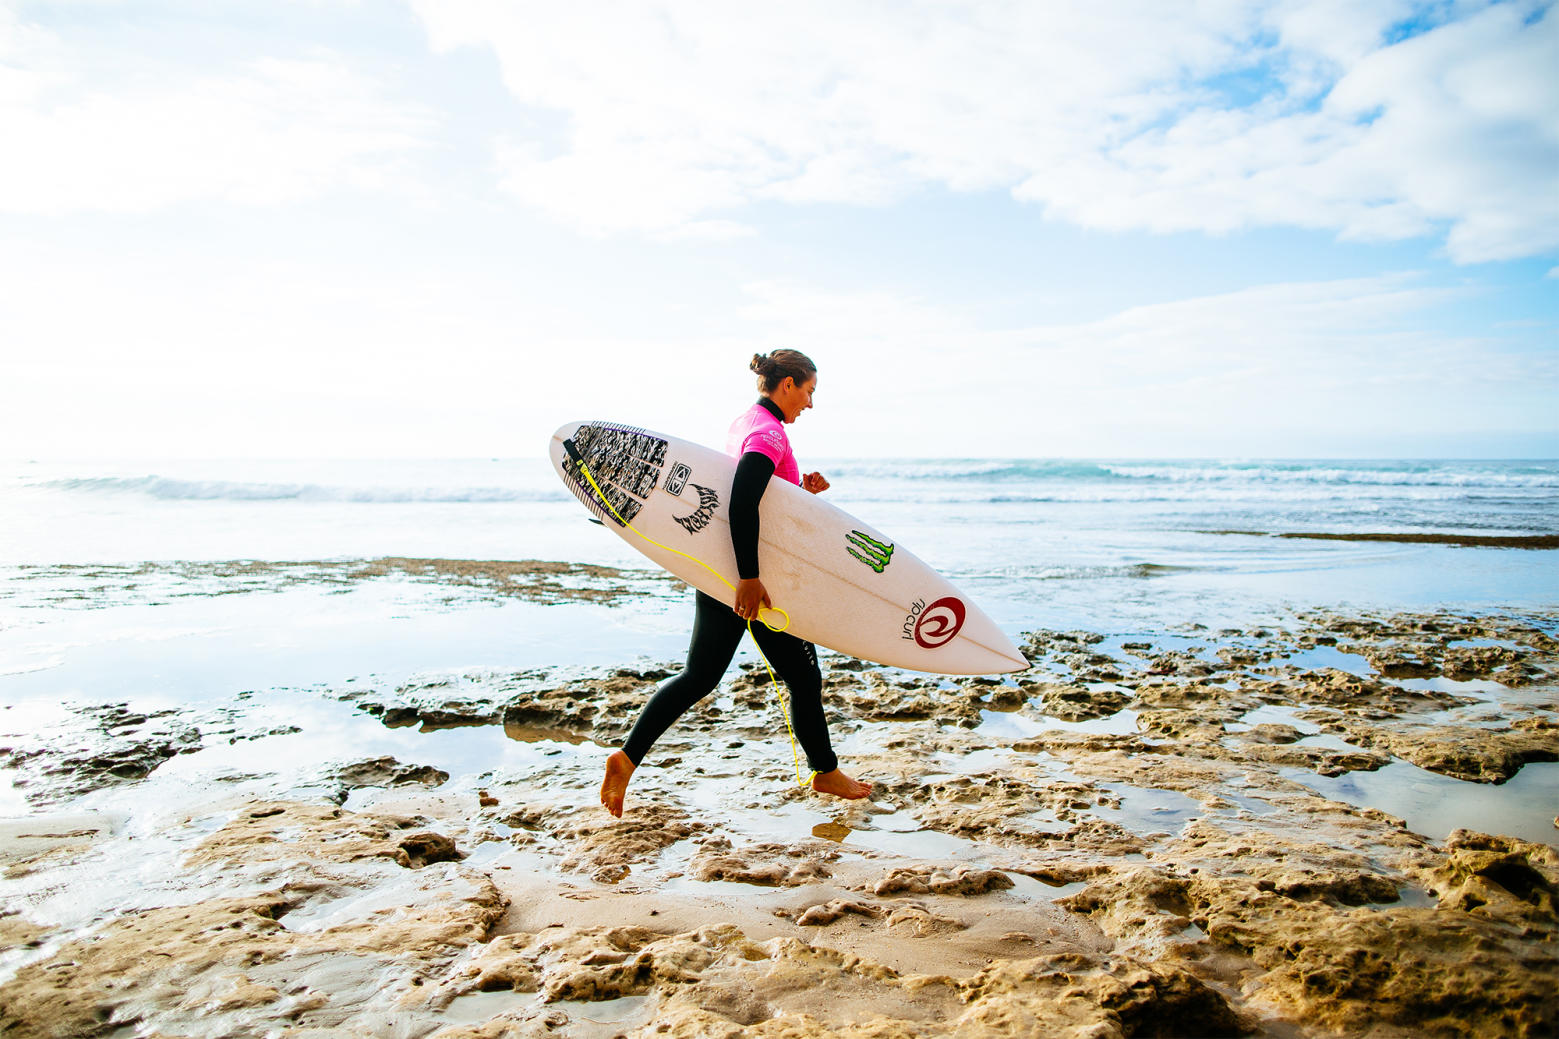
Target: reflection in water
point(541, 733)
point(1148, 809)
point(1434, 805)
point(995, 725)
point(1273, 714)
point(835, 832)
point(1317, 657)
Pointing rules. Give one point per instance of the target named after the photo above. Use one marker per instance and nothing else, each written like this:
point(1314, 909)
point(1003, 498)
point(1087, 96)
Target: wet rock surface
point(532, 580)
point(768, 865)
point(94, 746)
point(1480, 756)
point(1129, 839)
point(334, 921)
point(381, 771)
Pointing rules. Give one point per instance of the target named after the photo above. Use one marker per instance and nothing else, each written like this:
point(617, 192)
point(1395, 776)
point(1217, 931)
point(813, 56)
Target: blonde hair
point(774, 368)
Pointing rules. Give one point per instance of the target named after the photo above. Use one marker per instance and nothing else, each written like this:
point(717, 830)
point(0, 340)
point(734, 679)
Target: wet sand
point(1146, 834)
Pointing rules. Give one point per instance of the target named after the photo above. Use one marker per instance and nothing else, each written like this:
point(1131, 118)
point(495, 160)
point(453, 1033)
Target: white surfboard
point(844, 584)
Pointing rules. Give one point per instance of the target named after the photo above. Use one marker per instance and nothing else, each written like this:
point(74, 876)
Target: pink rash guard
point(758, 430)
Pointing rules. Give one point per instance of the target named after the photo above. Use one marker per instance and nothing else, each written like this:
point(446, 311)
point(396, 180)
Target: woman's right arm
point(753, 471)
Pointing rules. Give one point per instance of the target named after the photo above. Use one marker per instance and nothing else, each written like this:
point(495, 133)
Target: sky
point(442, 228)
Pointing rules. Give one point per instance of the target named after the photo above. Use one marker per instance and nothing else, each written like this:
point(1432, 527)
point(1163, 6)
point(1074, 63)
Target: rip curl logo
point(869, 550)
point(934, 625)
point(708, 502)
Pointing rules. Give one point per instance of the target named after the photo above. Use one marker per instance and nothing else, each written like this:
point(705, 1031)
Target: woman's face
point(793, 398)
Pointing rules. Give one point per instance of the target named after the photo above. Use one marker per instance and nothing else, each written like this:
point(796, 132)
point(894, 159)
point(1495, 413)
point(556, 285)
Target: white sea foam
point(974, 513)
point(173, 489)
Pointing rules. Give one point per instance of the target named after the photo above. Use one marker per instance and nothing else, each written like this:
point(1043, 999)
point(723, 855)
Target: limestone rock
point(1478, 755)
point(1075, 997)
point(1075, 703)
point(958, 880)
point(1500, 878)
point(607, 848)
point(764, 864)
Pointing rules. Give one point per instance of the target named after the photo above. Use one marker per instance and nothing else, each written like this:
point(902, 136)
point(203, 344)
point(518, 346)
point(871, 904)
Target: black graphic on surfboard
point(708, 502)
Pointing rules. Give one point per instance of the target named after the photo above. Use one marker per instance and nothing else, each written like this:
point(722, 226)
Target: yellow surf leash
point(579, 463)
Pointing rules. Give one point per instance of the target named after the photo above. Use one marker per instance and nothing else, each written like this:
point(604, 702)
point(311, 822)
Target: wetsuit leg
point(795, 662)
point(717, 631)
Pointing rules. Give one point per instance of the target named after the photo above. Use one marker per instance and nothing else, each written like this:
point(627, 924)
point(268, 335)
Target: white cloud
point(1124, 115)
point(396, 356)
point(1331, 366)
point(89, 130)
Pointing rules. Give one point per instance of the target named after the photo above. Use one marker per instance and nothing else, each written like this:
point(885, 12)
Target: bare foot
point(840, 785)
point(619, 769)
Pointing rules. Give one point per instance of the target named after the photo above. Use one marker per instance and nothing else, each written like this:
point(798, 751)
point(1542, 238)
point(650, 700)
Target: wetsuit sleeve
point(752, 479)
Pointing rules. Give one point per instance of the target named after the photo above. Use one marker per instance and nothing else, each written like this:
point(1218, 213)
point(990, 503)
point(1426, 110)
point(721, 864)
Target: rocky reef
point(1134, 838)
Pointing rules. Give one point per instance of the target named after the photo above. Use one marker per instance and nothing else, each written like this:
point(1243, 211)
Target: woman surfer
point(786, 380)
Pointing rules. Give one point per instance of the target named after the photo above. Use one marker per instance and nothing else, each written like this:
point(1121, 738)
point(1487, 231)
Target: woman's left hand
point(814, 482)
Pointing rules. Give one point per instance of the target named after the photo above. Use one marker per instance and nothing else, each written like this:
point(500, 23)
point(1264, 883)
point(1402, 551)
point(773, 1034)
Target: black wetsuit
point(717, 631)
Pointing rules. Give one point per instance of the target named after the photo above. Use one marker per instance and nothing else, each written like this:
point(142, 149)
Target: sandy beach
point(1334, 823)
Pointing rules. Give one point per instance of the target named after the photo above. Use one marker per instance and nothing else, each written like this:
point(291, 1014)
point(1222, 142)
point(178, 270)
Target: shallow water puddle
point(1026, 724)
point(1486, 697)
point(477, 1007)
point(336, 733)
point(1271, 714)
point(1484, 688)
point(1121, 723)
point(865, 737)
point(1480, 714)
point(902, 834)
point(1148, 809)
point(1319, 657)
point(501, 855)
point(1330, 741)
point(1434, 805)
point(1025, 886)
point(1007, 726)
point(1134, 648)
point(987, 760)
point(1410, 896)
point(1510, 644)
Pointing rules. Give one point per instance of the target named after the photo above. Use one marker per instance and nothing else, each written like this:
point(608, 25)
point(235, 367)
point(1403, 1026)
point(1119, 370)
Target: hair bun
point(774, 368)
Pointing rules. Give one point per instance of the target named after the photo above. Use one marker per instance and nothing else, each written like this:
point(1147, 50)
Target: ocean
point(1025, 531)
